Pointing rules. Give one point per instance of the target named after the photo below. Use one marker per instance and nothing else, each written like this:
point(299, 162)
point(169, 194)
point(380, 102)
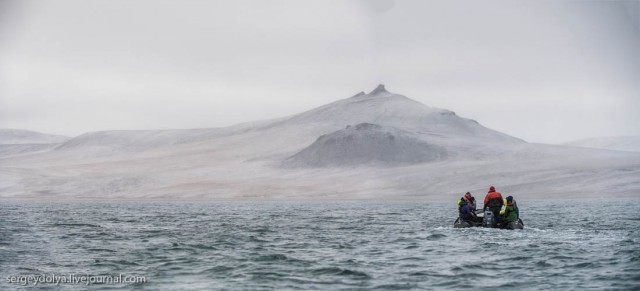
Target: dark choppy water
point(323, 245)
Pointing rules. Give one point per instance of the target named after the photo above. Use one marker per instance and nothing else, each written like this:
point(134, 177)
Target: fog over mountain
point(545, 71)
point(375, 145)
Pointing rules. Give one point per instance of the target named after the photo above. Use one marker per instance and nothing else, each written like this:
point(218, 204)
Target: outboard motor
point(487, 221)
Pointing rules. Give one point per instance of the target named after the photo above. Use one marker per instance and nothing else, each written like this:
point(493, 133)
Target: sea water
point(566, 244)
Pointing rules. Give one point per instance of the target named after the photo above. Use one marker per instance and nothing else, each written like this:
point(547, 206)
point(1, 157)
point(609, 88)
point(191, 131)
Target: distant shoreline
point(404, 199)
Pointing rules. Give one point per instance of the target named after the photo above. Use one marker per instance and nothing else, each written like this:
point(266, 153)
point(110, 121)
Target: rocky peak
point(378, 90)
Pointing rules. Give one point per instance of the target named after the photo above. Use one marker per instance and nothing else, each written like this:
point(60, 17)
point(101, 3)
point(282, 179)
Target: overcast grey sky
point(544, 71)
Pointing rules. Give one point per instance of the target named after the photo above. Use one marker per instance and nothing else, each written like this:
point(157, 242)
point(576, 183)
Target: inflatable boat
point(482, 219)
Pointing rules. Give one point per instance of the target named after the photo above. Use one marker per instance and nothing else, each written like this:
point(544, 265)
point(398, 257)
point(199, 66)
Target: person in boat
point(467, 207)
point(511, 212)
point(469, 200)
point(472, 201)
point(494, 202)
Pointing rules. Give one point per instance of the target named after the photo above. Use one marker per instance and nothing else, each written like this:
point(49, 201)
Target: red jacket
point(492, 195)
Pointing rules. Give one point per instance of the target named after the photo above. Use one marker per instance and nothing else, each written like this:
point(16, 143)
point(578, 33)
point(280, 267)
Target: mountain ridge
point(20, 136)
point(404, 149)
point(377, 107)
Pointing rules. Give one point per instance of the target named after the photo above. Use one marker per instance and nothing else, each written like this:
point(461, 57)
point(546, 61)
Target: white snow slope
point(406, 150)
point(618, 143)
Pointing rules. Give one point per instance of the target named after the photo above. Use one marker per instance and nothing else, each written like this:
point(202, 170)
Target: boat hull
point(477, 220)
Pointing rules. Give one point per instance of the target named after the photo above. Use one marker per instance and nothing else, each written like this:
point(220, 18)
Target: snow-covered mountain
point(618, 143)
point(388, 109)
point(379, 107)
point(378, 144)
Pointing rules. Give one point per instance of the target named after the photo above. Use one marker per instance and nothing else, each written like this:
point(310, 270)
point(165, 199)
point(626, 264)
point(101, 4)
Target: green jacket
point(511, 212)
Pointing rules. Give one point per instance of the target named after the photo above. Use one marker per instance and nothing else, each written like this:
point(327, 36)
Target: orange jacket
point(491, 195)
